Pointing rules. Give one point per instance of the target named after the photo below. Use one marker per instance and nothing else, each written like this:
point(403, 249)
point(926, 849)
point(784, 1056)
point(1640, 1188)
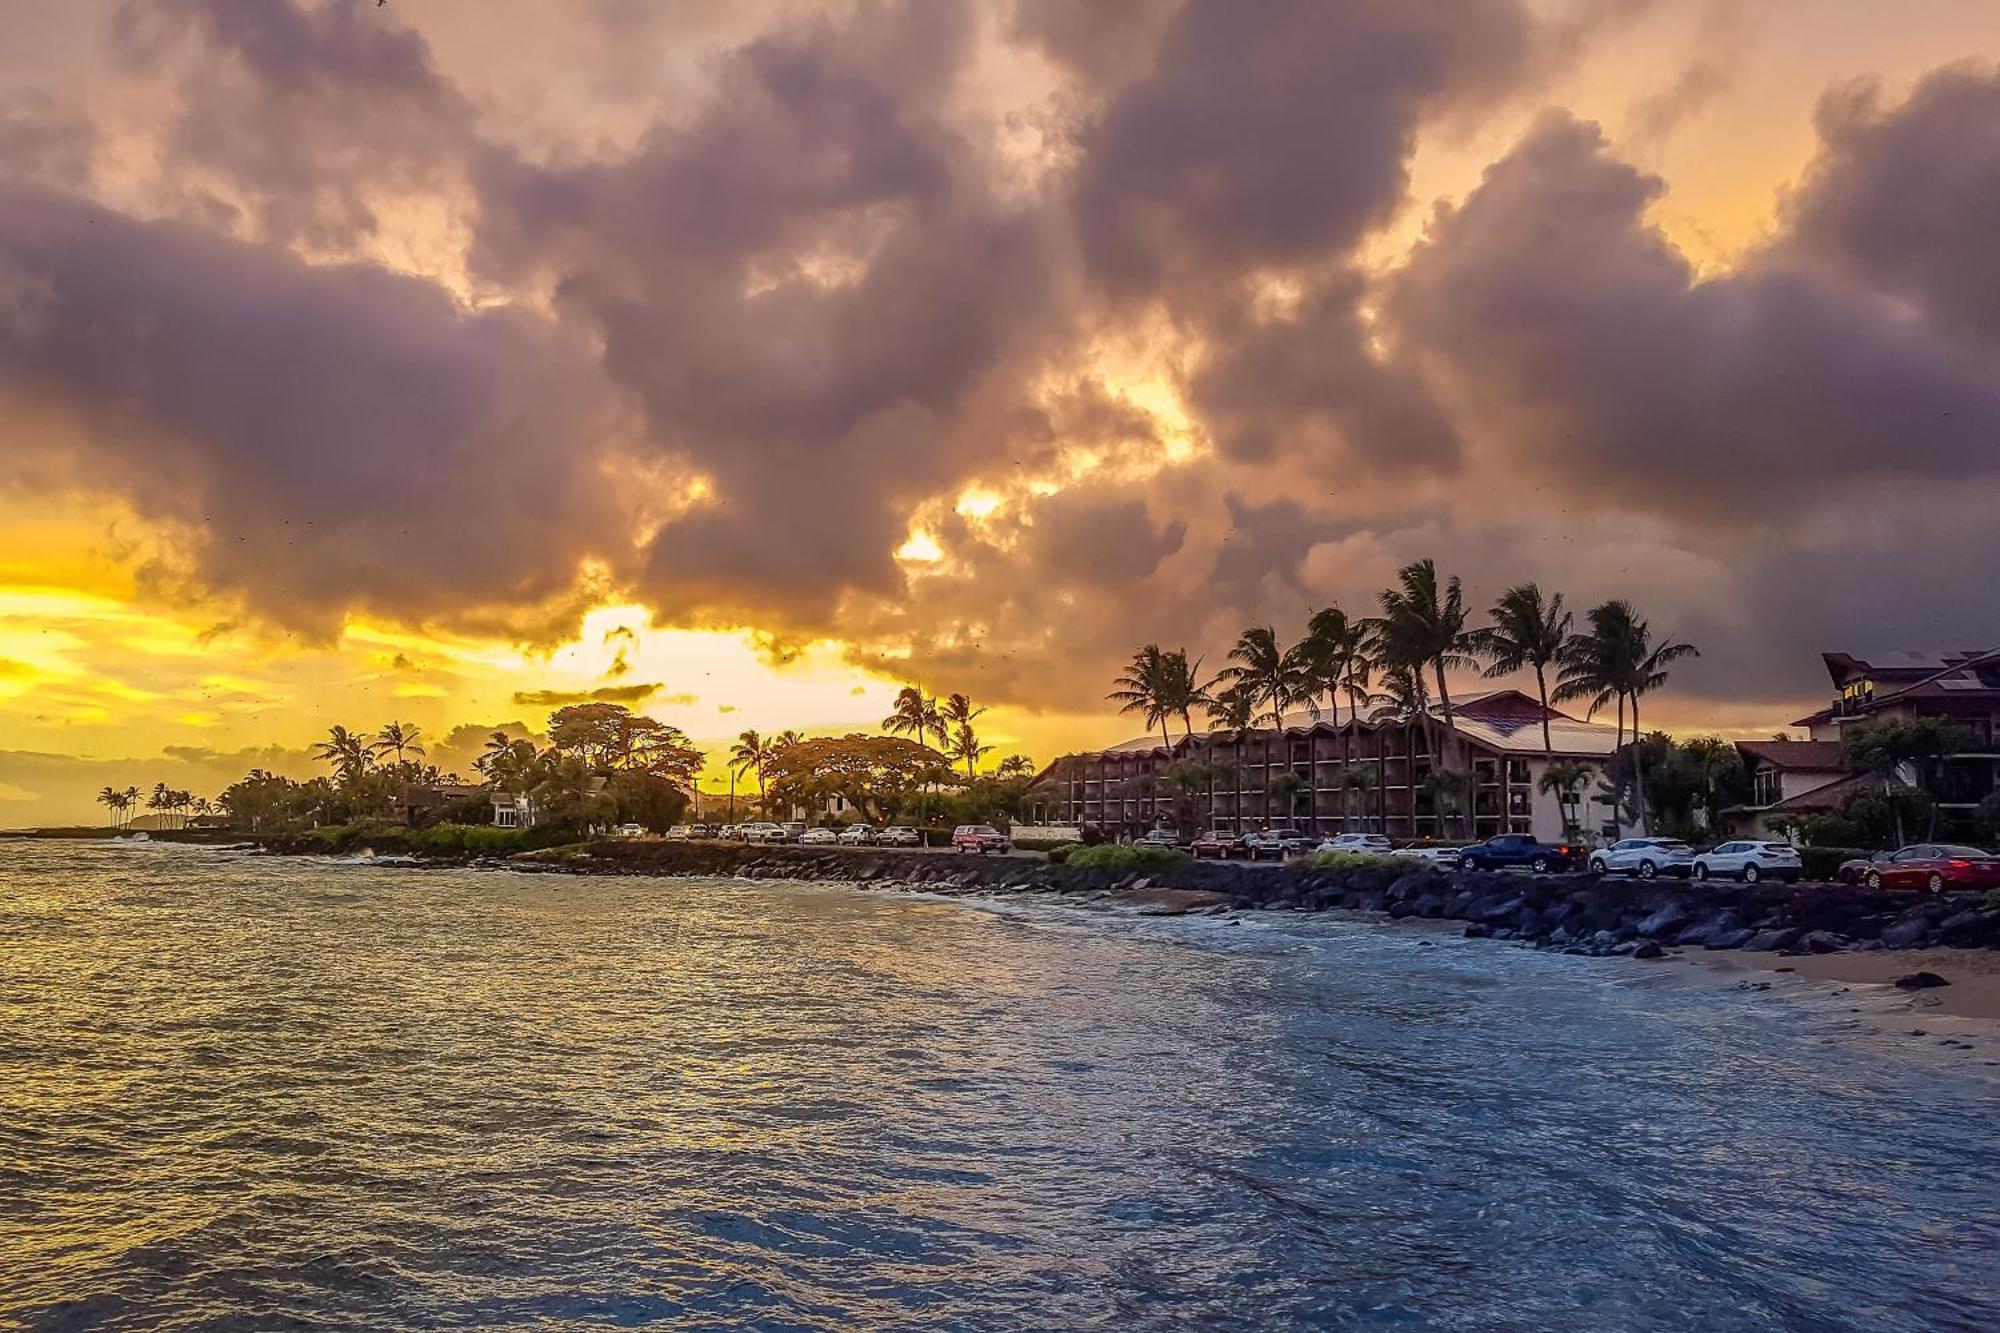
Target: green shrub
point(437, 840)
point(1824, 862)
point(1124, 858)
point(1059, 854)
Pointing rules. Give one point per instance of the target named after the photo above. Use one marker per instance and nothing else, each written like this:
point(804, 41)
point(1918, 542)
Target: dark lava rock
point(1478, 930)
point(1648, 950)
point(1729, 939)
point(1822, 941)
point(1906, 933)
point(1921, 981)
point(1770, 941)
point(1668, 919)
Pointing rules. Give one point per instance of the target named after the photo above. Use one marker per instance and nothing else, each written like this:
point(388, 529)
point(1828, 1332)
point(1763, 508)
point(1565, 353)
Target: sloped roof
point(1505, 720)
point(1796, 755)
point(1828, 797)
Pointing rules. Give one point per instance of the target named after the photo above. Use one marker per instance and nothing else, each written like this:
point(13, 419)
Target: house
point(517, 810)
point(1334, 772)
point(414, 807)
point(1788, 778)
point(1958, 688)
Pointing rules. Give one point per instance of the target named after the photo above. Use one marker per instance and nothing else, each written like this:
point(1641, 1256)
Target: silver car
point(1361, 844)
point(1644, 857)
point(900, 835)
point(1750, 862)
point(857, 835)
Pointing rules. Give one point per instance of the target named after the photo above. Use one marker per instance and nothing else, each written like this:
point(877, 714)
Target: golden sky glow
point(1092, 472)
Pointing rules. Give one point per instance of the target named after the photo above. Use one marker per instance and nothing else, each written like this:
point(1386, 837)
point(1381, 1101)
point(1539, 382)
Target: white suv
point(765, 832)
point(1361, 844)
point(1644, 857)
point(1751, 861)
point(900, 835)
point(857, 835)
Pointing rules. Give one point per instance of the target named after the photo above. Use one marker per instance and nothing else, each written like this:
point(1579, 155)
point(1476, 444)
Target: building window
point(1518, 805)
point(505, 817)
point(1517, 772)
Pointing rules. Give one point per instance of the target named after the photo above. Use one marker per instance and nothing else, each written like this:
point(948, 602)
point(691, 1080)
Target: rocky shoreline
point(1581, 913)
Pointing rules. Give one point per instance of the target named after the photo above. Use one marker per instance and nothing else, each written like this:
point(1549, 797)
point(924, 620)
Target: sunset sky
point(447, 360)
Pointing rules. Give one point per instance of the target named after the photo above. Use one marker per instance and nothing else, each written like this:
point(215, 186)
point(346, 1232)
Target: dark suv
point(1518, 849)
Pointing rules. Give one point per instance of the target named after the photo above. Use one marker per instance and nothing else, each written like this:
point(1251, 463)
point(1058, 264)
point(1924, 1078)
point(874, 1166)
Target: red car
point(980, 838)
point(1937, 867)
point(1220, 844)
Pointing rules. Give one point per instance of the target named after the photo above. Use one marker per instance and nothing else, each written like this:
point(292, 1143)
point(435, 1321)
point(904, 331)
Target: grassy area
point(1108, 857)
point(438, 840)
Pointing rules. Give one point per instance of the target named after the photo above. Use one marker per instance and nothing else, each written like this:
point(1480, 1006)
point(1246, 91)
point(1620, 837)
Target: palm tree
point(1271, 676)
point(750, 753)
point(1449, 789)
point(1564, 780)
point(345, 751)
point(1595, 665)
point(113, 802)
point(1336, 654)
point(1527, 631)
point(1182, 690)
point(965, 743)
point(1353, 782)
point(1233, 711)
point(1142, 690)
point(1405, 702)
point(1649, 673)
point(915, 716)
point(1015, 766)
point(1425, 627)
point(398, 738)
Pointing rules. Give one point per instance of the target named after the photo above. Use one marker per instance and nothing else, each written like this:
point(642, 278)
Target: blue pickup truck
point(1518, 849)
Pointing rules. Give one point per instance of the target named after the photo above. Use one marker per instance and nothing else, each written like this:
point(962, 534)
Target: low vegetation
point(1109, 857)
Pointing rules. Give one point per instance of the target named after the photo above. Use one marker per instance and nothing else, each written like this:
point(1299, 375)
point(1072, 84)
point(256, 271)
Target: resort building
point(1335, 773)
point(1960, 688)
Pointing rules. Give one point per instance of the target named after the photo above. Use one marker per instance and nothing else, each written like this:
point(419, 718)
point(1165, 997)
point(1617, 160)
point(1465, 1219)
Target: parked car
point(678, 833)
point(980, 838)
point(697, 830)
point(1361, 844)
point(1855, 869)
point(761, 833)
point(791, 831)
point(1219, 844)
point(817, 837)
point(629, 831)
point(1159, 837)
point(727, 833)
point(1518, 849)
point(1644, 857)
point(1937, 867)
point(900, 835)
point(857, 835)
point(1750, 861)
point(1444, 858)
point(1276, 844)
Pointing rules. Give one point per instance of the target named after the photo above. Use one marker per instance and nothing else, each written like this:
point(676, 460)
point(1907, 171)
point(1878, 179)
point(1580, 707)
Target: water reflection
point(239, 1091)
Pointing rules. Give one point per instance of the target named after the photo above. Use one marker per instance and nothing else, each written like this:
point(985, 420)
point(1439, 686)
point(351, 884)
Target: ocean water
point(260, 1093)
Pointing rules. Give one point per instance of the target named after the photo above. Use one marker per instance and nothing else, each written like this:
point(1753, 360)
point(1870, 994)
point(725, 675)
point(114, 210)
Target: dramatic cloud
point(986, 341)
point(332, 437)
point(605, 694)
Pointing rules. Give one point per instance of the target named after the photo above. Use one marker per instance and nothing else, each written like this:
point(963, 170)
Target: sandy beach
point(1974, 974)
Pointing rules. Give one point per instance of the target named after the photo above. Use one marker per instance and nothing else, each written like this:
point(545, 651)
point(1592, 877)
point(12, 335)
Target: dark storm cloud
point(606, 694)
point(340, 436)
point(309, 114)
point(1278, 138)
point(805, 285)
point(1589, 352)
point(1907, 199)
